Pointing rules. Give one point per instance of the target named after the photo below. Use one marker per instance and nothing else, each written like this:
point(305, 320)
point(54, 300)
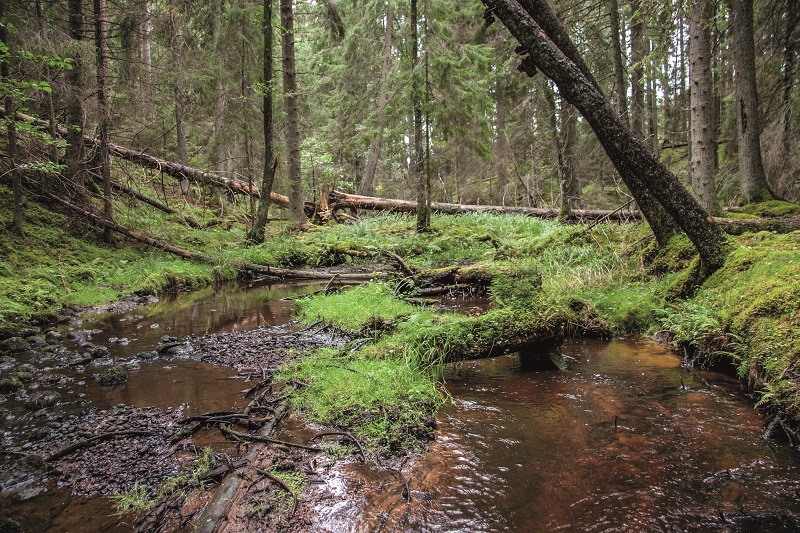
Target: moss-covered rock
point(115, 375)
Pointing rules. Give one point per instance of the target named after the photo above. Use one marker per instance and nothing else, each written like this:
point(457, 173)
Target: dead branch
point(91, 441)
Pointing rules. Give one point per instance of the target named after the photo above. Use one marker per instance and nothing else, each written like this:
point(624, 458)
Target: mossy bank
point(544, 278)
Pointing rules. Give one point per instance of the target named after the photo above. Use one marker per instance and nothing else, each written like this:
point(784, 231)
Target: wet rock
point(8, 525)
point(39, 434)
point(53, 337)
point(23, 376)
point(27, 369)
point(17, 331)
point(35, 340)
point(14, 345)
point(84, 335)
point(42, 400)
point(10, 384)
point(7, 362)
point(28, 493)
point(98, 352)
point(116, 375)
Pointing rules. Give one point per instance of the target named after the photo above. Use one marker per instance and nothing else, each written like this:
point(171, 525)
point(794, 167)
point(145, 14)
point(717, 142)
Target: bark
point(637, 165)
point(638, 53)
point(147, 61)
point(368, 185)
point(256, 233)
point(652, 108)
point(418, 162)
point(620, 87)
point(219, 89)
point(18, 222)
point(177, 93)
point(790, 54)
point(502, 151)
point(75, 153)
point(103, 93)
point(754, 187)
point(702, 161)
point(568, 180)
point(341, 200)
point(291, 107)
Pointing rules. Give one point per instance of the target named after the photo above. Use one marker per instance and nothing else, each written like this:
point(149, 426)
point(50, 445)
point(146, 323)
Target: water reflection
point(613, 443)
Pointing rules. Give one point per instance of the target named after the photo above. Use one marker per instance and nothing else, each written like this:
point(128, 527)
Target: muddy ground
point(51, 432)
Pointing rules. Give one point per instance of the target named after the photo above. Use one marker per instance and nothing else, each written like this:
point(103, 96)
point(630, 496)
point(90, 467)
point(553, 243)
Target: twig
point(285, 486)
point(258, 438)
point(328, 285)
point(99, 438)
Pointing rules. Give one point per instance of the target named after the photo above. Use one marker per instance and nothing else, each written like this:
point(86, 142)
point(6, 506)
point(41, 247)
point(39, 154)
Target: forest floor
point(544, 279)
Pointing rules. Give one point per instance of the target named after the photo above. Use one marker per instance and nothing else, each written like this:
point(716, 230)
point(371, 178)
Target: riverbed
point(622, 437)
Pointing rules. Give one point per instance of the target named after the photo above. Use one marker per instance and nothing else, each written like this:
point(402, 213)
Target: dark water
point(613, 443)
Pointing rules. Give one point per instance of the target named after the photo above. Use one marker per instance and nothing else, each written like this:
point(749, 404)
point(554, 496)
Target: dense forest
point(612, 170)
point(185, 82)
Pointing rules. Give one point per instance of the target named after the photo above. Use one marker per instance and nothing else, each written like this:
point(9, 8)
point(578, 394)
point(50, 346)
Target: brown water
point(613, 443)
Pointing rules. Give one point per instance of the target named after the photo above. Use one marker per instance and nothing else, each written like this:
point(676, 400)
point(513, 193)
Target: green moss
point(772, 209)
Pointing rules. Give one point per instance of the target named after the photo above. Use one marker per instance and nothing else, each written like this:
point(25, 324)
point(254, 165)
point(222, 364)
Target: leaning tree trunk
point(292, 107)
point(101, 43)
point(256, 233)
point(702, 162)
point(754, 187)
point(636, 163)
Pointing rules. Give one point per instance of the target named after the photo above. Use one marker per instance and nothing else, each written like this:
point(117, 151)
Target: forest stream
point(622, 438)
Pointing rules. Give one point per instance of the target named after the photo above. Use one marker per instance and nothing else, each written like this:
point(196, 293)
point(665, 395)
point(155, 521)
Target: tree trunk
point(219, 89)
point(501, 149)
point(101, 43)
point(291, 106)
point(790, 53)
point(754, 187)
point(147, 61)
point(341, 200)
point(636, 163)
point(638, 53)
point(368, 185)
point(568, 180)
point(178, 93)
point(256, 233)
point(75, 154)
point(418, 161)
point(18, 222)
point(620, 86)
point(702, 162)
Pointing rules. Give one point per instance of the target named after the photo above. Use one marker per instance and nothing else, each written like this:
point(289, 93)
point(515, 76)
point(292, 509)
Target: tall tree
point(291, 107)
point(638, 58)
point(256, 233)
point(702, 164)
point(620, 87)
point(418, 161)
point(75, 153)
point(635, 162)
point(368, 184)
point(18, 222)
point(104, 111)
point(754, 187)
point(178, 92)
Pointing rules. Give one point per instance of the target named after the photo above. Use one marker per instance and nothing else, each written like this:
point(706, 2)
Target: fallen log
point(175, 170)
point(339, 199)
point(188, 254)
point(218, 508)
point(732, 226)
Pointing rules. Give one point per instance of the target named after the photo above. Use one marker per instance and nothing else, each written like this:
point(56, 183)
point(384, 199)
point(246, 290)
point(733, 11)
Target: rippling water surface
point(624, 439)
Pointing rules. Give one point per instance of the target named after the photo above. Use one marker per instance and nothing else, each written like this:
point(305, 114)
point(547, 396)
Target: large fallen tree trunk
point(339, 199)
point(732, 226)
point(188, 254)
